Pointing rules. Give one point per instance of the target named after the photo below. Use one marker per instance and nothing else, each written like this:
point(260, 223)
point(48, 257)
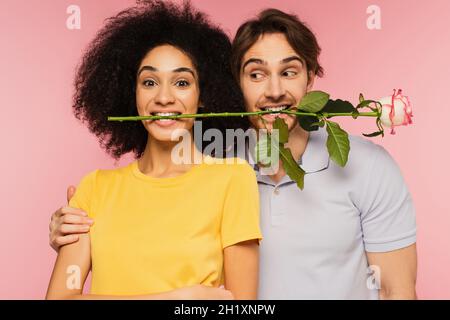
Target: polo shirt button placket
point(276, 216)
point(276, 191)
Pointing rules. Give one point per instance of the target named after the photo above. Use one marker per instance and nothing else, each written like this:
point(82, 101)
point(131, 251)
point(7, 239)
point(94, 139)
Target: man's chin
point(268, 123)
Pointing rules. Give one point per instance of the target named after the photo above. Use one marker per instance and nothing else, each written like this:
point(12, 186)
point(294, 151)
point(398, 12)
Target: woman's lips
point(163, 122)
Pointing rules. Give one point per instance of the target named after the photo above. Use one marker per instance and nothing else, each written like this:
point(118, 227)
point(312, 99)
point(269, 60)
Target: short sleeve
point(387, 211)
point(240, 220)
point(84, 193)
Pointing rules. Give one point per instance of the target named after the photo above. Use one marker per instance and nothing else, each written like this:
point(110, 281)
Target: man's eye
point(256, 76)
point(182, 83)
point(149, 83)
point(289, 73)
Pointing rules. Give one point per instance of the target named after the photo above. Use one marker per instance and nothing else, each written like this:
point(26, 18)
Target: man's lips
point(270, 117)
point(277, 107)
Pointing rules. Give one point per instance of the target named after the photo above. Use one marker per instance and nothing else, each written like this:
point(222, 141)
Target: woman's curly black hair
point(105, 81)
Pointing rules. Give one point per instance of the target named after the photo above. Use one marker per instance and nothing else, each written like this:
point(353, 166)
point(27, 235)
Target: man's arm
point(398, 272)
point(241, 267)
point(67, 224)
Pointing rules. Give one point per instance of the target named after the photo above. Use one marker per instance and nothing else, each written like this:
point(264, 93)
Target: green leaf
point(321, 123)
point(282, 130)
point(338, 106)
point(313, 101)
point(263, 150)
point(361, 97)
point(338, 143)
point(364, 103)
point(380, 126)
point(355, 114)
point(373, 134)
point(293, 170)
point(307, 123)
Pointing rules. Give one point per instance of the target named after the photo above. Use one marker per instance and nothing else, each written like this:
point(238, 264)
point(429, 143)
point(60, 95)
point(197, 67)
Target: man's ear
point(311, 78)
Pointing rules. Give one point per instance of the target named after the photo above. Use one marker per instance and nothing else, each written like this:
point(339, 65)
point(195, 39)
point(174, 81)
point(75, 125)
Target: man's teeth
point(280, 108)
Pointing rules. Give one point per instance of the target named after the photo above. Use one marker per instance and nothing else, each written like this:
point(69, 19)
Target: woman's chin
point(167, 132)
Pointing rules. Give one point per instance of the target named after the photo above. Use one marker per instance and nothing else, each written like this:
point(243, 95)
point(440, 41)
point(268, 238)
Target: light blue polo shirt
point(316, 239)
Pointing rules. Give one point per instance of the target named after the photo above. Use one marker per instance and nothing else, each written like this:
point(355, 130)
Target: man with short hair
point(351, 233)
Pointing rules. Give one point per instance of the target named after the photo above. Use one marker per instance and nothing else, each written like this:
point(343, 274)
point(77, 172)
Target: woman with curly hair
point(162, 230)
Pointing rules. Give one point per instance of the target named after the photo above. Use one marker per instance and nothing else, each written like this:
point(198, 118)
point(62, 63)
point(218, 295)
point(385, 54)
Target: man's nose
point(274, 89)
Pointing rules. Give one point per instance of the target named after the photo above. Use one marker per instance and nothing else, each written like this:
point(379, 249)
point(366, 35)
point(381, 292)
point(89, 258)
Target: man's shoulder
point(363, 149)
point(371, 160)
point(362, 144)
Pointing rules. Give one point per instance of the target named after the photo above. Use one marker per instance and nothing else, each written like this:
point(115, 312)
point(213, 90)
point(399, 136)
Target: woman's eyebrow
point(184, 69)
point(177, 70)
point(150, 68)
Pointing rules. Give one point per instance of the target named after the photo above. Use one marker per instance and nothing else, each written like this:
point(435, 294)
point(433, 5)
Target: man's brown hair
point(299, 36)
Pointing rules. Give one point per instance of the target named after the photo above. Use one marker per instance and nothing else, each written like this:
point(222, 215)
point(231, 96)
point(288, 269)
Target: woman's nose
point(164, 95)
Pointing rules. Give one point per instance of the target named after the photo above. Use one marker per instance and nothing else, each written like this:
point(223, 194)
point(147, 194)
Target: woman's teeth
point(165, 114)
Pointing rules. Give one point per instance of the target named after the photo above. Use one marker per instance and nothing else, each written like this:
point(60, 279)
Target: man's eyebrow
point(260, 61)
point(177, 70)
point(253, 60)
point(291, 58)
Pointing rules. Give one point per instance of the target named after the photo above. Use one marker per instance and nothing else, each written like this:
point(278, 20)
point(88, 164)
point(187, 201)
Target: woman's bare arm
point(72, 267)
point(241, 267)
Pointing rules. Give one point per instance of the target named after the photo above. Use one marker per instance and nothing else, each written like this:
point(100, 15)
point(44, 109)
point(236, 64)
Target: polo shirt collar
point(315, 158)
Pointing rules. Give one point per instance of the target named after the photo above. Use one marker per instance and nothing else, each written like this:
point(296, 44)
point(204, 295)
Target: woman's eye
point(182, 83)
point(149, 83)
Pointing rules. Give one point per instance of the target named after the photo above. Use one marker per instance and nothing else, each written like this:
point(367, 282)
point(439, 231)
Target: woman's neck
point(157, 160)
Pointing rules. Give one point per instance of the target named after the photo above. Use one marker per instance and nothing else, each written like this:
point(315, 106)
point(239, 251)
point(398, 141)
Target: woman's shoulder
point(106, 175)
point(230, 166)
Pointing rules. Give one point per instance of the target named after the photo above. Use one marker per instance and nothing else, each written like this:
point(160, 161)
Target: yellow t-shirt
point(157, 234)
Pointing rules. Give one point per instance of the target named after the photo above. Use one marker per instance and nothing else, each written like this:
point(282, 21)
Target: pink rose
point(396, 110)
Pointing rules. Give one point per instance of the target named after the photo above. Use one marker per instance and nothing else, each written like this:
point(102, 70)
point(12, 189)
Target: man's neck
point(298, 139)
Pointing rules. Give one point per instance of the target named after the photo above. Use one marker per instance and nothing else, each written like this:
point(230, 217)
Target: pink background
point(46, 149)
